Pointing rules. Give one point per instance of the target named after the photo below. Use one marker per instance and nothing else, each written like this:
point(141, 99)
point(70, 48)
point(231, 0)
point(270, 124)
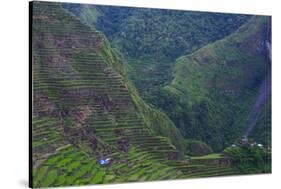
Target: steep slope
point(85, 110)
point(151, 39)
point(259, 120)
point(215, 88)
point(264, 94)
point(82, 110)
point(158, 33)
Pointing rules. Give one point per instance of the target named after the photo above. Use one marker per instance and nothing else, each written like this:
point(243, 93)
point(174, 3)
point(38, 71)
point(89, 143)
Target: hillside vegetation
point(214, 89)
point(85, 109)
point(106, 88)
point(151, 39)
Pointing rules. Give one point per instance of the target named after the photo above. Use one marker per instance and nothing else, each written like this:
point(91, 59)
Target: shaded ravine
point(263, 95)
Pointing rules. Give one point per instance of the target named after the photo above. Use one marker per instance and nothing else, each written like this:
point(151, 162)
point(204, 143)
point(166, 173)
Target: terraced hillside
point(85, 110)
point(152, 39)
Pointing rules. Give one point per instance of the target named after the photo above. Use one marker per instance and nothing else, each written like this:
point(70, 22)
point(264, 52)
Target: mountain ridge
point(90, 124)
point(212, 74)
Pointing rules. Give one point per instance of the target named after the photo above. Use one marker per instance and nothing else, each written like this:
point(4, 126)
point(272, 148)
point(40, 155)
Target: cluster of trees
point(261, 133)
point(213, 121)
point(250, 159)
point(163, 34)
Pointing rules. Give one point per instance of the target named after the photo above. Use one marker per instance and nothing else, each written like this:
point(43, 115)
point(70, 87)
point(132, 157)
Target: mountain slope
point(151, 39)
point(214, 88)
point(83, 110)
point(159, 33)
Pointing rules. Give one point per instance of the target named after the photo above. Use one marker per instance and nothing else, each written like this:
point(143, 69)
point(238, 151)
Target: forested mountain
point(156, 33)
point(151, 39)
point(214, 89)
point(150, 91)
point(85, 109)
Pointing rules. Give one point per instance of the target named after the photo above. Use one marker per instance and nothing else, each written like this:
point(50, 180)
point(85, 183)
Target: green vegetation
point(151, 39)
point(214, 88)
point(50, 179)
point(150, 47)
point(195, 100)
point(209, 156)
point(262, 131)
point(86, 107)
point(157, 121)
point(83, 110)
point(197, 148)
point(163, 34)
point(251, 159)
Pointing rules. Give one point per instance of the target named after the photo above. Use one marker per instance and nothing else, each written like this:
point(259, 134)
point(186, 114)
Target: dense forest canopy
point(160, 34)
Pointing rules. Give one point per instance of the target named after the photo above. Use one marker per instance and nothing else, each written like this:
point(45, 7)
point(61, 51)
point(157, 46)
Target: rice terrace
point(123, 94)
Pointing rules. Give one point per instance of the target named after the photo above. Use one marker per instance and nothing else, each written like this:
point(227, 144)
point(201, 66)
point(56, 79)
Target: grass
point(40, 174)
point(209, 156)
point(50, 178)
point(98, 178)
point(73, 166)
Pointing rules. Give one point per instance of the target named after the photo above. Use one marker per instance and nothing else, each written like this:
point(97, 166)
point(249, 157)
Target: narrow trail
point(263, 95)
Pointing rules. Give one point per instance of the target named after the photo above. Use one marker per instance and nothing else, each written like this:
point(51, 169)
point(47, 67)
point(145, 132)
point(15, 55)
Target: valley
point(126, 95)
